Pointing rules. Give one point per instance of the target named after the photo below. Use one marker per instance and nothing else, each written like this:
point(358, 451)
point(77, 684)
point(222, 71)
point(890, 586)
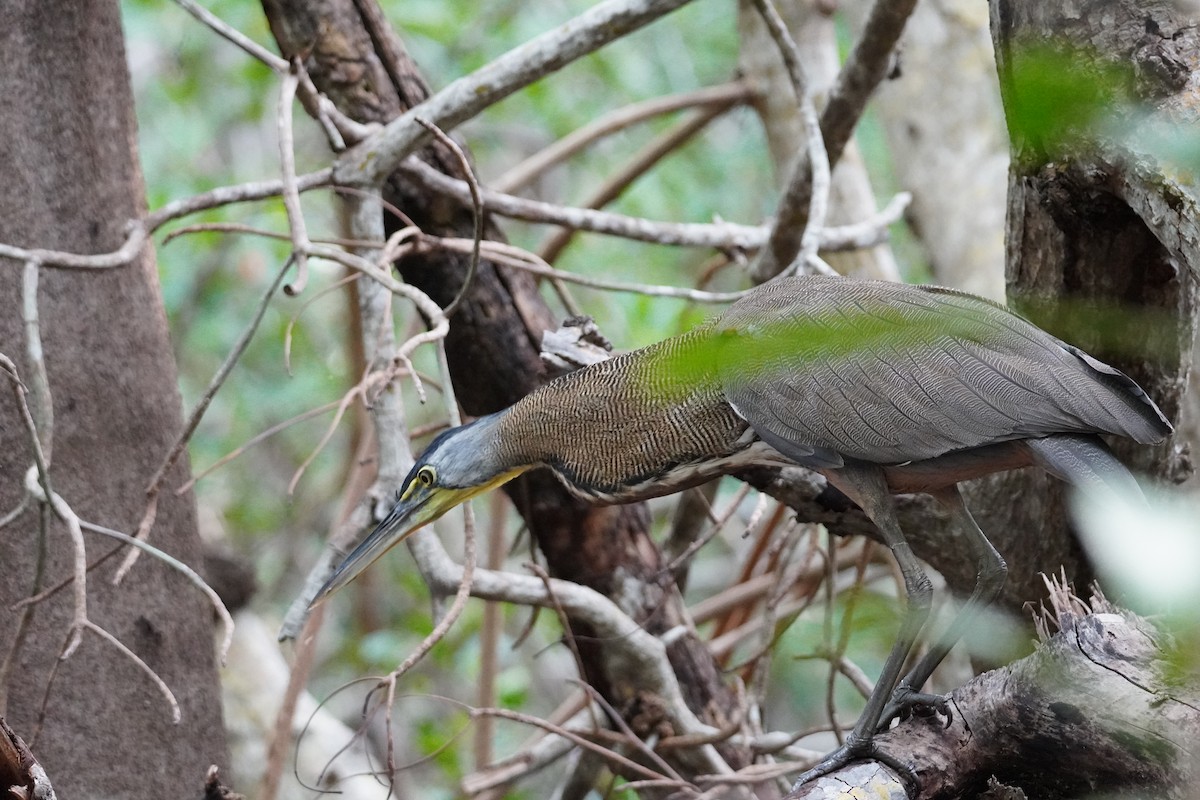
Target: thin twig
point(807, 187)
point(476, 209)
point(142, 665)
point(187, 572)
point(291, 194)
point(50, 591)
point(281, 739)
point(524, 173)
point(241, 227)
point(642, 161)
point(830, 553)
point(536, 754)
point(715, 528)
point(35, 444)
point(355, 392)
point(291, 326)
point(629, 736)
point(8, 518)
point(368, 163)
point(490, 631)
point(228, 195)
point(218, 379)
point(627, 766)
point(232, 34)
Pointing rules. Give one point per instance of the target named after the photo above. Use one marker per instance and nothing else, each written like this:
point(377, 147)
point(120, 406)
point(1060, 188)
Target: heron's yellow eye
point(426, 476)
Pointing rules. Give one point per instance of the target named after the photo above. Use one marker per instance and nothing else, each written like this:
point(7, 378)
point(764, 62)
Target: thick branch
point(1090, 707)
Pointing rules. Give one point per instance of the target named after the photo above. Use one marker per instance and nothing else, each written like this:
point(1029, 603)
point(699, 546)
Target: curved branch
point(371, 161)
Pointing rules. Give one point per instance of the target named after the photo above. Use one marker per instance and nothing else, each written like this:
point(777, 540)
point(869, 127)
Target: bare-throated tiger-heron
point(880, 387)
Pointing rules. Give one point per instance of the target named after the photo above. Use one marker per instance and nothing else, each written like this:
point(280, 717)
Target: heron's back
point(890, 373)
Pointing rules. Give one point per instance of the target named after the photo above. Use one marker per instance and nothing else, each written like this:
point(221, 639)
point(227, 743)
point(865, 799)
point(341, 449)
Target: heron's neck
point(617, 428)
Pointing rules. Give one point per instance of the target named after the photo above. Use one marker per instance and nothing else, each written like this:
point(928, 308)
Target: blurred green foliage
point(1059, 96)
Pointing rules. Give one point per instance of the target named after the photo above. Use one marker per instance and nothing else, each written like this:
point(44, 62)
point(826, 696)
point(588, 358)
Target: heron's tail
point(1085, 462)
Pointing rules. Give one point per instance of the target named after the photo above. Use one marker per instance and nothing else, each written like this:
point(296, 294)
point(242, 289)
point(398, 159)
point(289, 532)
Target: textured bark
point(1090, 711)
point(493, 349)
point(1100, 225)
point(1087, 223)
point(71, 181)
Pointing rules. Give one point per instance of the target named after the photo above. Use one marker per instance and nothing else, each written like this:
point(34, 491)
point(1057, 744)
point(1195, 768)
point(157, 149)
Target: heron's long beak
point(418, 507)
point(414, 510)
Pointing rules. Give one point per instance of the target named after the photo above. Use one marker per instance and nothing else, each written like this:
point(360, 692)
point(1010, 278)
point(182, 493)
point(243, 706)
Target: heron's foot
point(860, 749)
point(908, 702)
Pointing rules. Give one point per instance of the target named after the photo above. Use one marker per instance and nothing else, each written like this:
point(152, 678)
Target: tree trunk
point(1087, 230)
point(71, 181)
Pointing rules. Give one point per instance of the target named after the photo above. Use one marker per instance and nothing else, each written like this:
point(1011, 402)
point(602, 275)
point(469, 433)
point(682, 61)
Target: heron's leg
point(990, 574)
point(866, 485)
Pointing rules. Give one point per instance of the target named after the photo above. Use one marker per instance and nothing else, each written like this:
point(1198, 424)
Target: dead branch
point(1092, 705)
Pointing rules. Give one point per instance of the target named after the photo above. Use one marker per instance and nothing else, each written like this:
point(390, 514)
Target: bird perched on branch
point(880, 387)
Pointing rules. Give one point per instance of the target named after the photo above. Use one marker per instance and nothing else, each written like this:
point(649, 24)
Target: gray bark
point(1090, 711)
point(1092, 223)
point(71, 180)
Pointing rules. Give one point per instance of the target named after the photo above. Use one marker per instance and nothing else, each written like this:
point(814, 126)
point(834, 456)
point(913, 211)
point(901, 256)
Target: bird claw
point(860, 750)
point(906, 702)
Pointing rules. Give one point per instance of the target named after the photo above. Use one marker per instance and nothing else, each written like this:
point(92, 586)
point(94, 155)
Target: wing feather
point(890, 373)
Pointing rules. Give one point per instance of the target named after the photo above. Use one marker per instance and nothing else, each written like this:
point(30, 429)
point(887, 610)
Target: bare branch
point(177, 565)
point(476, 209)
point(865, 67)
point(628, 644)
point(79, 566)
point(862, 72)
point(39, 382)
point(135, 237)
point(817, 180)
point(369, 162)
point(511, 256)
point(142, 665)
point(228, 195)
point(232, 34)
point(218, 380)
point(291, 195)
point(527, 171)
point(718, 235)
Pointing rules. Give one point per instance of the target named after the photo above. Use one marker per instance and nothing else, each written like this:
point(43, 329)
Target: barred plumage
point(879, 387)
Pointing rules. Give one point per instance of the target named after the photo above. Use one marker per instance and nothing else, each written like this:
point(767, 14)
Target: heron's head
point(459, 464)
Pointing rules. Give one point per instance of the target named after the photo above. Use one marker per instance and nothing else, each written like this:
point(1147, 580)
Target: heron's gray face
point(454, 468)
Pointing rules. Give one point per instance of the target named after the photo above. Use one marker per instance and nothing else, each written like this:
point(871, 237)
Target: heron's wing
point(890, 373)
